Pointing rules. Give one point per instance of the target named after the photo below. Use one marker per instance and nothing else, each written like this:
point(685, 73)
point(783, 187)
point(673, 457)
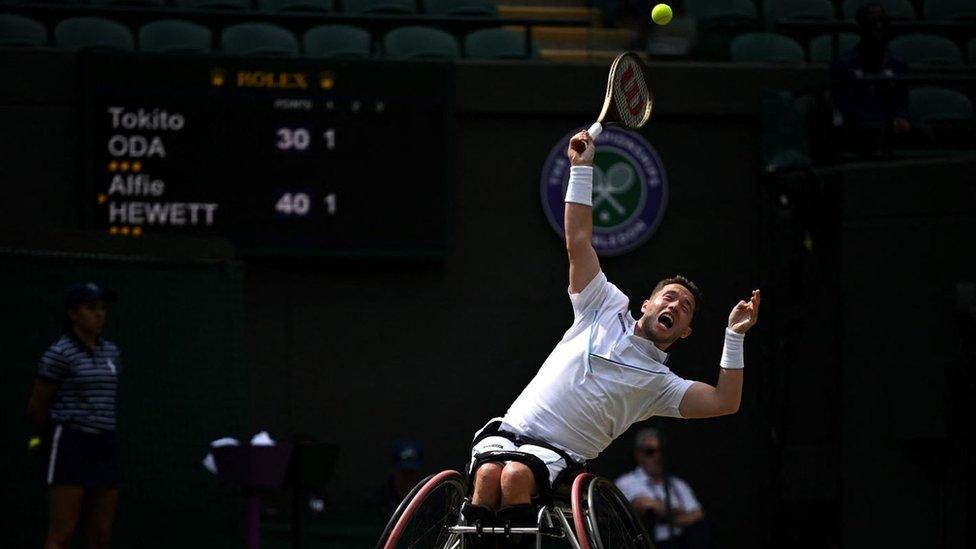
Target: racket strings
point(632, 96)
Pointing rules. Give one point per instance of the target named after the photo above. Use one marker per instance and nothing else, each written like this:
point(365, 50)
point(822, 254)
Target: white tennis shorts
point(554, 462)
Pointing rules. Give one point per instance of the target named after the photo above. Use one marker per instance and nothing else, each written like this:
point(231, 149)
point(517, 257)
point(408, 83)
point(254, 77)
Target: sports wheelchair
point(585, 511)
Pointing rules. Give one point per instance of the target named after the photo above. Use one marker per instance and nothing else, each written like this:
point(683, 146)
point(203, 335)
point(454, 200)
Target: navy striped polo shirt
point(88, 380)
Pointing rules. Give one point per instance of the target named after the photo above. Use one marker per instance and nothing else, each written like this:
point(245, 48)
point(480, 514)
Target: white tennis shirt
point(599, 380)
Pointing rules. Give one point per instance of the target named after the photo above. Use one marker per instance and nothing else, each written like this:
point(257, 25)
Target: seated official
point(645, 488)
point(868, 110)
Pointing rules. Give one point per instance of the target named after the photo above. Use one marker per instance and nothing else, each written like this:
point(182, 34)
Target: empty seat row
point(934, 105)
point(776, 10)
point(433, 7)
point(718, 21)
point(768, 47)
point(178, 36)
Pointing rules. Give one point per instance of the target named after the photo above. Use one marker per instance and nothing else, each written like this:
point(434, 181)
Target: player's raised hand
point(581, 150)
point(745, 314)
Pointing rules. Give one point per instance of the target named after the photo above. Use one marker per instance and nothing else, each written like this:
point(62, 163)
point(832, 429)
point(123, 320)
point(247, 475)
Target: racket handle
point(595, 130)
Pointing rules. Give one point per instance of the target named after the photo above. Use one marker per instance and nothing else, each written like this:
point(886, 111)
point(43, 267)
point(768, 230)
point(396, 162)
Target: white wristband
point(733, 357)
point(580, 188)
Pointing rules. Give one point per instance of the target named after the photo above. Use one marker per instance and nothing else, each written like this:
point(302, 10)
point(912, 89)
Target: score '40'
point(300, 204)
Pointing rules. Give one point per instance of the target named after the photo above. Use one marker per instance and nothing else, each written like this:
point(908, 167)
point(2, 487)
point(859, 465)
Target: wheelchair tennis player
point(606, 373)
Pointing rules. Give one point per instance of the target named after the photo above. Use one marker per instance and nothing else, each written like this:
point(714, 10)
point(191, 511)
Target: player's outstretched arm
point(701, 399)
point(583, 262)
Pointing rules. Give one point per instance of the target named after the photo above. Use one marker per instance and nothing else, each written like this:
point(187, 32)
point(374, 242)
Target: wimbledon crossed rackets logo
point(612, 189)
point(629, 190)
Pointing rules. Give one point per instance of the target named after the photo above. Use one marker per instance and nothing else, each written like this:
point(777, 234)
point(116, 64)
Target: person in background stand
point(72, 412)
point(407, 463)
point(869, 111)
point(650, 495)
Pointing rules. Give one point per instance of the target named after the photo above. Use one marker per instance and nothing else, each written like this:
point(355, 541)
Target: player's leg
point(65, 509)
point(487, 476)
point(520, 485)
point(517, 484)
point(487, 494)
point(487, 485)
point(99, 515)
point(480, 509)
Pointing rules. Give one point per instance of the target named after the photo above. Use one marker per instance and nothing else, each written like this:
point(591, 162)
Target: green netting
point(183, 383)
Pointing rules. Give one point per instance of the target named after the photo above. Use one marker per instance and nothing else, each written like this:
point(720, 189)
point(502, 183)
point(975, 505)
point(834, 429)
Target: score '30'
point(299, 139)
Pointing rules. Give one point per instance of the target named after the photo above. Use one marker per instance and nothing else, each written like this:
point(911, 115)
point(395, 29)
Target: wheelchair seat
point(562, 487)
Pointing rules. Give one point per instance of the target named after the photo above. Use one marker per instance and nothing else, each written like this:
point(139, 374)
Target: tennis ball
point(661, 14)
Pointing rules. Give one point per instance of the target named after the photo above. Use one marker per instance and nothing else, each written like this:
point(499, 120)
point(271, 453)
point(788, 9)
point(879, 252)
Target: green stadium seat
point(136, 3)
point(485, 8)
point(44, 2)
point(17, 30)
point(213, 4)
point(175, 36)
point(718, 21)
point(765, 47)
point(929, 104)
point(337, 41)
point(950, 9)
point(822, 47)
point(93, 32)
point(942, 119)
point(379, 6)
point(258, 39)
point(711, 9)
point(495, 44)
point(971, 51)
point(894, 9)
point(421, 42)
point(814, 10)
point(314, 6)
point(925, 48)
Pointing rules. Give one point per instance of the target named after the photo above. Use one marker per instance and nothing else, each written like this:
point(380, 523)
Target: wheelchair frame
point(553, 519)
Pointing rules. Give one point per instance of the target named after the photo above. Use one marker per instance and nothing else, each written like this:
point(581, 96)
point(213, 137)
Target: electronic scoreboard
point(282, 156)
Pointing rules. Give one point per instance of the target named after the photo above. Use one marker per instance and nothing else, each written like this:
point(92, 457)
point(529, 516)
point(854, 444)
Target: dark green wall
point(907, 237)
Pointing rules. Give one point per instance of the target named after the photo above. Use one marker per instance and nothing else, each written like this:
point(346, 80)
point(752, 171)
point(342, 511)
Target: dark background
point(855, 423)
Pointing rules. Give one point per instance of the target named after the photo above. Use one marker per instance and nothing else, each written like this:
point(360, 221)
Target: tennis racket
point(629, 98)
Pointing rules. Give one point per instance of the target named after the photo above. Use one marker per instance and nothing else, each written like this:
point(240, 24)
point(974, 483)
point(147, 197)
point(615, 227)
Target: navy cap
point(407, 455)
point(86, 292)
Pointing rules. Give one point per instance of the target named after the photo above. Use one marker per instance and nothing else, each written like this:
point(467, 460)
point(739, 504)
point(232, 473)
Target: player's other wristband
point(34, 442)
point(580, 188)
point(733, 357)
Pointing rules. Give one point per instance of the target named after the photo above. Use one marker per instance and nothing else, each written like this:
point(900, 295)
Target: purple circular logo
point(630, 190)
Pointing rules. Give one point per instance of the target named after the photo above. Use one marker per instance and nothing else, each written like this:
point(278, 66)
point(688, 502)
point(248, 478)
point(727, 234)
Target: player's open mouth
point(666, 320)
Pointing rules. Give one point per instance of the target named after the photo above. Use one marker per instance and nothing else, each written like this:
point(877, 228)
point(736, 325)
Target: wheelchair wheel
point(603, 517)
point(423, 516)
